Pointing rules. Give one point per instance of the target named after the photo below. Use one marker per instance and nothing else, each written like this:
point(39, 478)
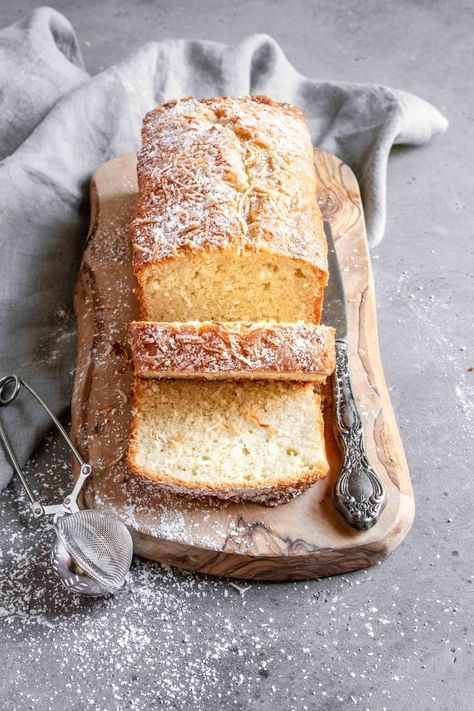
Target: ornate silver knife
point(358, 494)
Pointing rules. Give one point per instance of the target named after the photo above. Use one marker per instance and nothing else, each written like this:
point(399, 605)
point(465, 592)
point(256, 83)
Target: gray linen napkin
point(57, 125)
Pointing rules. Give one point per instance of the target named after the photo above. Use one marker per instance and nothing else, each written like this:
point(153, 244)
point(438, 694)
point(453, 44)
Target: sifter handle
point(69, 505)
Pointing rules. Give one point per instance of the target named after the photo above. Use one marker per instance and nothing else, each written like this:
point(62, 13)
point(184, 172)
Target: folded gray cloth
point(57, 125)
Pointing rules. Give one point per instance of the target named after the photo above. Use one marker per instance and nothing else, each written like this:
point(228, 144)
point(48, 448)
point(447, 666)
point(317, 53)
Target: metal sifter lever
point(93, 550)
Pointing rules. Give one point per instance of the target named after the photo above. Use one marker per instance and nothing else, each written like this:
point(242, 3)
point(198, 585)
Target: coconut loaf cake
point(242, 350)
point(227, 230)
point(227, 226)
point(240, 441)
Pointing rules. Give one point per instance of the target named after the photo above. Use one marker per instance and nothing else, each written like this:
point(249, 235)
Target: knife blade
point(334, 308)
point(358, 493)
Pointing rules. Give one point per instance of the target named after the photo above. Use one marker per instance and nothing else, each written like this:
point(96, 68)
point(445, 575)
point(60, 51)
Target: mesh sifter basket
point(99, 543)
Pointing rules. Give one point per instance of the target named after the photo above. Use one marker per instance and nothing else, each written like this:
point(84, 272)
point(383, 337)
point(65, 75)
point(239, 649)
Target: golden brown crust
point(282, 490)
point(232, 350)
point(281, 493)
point(227, 173)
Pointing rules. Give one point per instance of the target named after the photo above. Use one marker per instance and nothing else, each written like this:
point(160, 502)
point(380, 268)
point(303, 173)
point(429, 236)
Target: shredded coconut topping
point(220, 348)
point(221, 172)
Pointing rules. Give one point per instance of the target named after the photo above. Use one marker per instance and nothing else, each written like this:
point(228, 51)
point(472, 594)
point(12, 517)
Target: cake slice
point(240, 441)
point(241, 350)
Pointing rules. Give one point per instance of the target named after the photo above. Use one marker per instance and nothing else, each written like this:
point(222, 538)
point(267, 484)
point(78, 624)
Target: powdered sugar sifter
point(93, 550)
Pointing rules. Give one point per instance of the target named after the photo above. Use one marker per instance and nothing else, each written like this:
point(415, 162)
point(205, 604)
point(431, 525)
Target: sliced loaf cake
point(227, 226)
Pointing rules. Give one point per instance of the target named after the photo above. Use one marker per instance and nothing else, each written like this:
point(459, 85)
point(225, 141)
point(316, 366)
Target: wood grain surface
point(306, 538)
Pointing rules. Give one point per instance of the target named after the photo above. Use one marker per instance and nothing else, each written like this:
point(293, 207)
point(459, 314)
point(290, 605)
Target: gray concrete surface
point(397, 636)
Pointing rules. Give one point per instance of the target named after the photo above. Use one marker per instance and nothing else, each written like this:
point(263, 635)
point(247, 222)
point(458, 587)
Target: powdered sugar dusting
point(226, 173)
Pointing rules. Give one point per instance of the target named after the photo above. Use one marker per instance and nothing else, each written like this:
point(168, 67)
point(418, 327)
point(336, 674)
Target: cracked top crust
point(227, 173)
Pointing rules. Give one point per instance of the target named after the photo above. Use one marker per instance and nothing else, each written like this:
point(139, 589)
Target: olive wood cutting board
point(306, 538)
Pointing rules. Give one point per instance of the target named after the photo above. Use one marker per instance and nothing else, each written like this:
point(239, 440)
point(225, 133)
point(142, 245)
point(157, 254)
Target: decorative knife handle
point(358, 494)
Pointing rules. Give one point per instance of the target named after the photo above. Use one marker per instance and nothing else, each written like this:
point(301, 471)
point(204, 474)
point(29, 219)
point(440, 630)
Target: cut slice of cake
point(240, 441)
point(218, 350)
